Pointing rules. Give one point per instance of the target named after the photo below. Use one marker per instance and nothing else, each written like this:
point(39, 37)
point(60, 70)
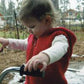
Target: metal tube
point(8, 70)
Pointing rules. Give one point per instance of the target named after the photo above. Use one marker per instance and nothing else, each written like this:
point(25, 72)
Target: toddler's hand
point(4, 43)
point(35, 61)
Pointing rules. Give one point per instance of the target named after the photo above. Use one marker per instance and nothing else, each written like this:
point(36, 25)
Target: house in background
point(2, 21)
point(71, 14)
point(73, 17)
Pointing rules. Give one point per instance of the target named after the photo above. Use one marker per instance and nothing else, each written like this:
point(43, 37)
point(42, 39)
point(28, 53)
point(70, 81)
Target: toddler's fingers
point(26, 67)
point(30, 66)
point(44, 66)
point(35, 64)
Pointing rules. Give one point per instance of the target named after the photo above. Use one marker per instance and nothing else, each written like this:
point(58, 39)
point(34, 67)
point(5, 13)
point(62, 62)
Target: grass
point(13, 34)
point(24, 34)
point(79, 35)
point(74, 28)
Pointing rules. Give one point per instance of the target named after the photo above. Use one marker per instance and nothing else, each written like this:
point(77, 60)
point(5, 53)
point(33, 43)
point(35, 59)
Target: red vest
point(54, 73)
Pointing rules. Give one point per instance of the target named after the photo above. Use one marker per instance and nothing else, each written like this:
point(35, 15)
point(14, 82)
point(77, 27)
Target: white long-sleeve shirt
point(55, 52)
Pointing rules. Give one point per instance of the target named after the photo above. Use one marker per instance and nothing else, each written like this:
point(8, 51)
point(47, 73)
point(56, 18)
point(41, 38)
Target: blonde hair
point(38, 9)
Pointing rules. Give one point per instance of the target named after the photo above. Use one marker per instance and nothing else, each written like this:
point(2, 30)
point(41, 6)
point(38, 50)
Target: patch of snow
point(74, 55)
point(81, 73)
point(75, 77)
point(15, 79)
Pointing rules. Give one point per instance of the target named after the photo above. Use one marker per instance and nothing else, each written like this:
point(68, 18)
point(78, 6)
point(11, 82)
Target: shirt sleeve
point(20, 44)
point(58, 49)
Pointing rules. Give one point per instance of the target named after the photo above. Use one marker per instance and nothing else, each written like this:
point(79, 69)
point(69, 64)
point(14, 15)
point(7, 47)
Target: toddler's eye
point(33, 26)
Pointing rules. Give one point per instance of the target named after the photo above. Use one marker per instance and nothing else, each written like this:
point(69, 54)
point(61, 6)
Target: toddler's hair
point(38, 9)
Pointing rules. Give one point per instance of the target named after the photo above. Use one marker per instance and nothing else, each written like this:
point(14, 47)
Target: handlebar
point(21, 71)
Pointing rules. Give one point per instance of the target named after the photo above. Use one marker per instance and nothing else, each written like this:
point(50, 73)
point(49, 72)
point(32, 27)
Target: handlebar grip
point(34, 73)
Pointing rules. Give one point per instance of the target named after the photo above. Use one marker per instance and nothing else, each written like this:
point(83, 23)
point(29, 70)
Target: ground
point(17, 58)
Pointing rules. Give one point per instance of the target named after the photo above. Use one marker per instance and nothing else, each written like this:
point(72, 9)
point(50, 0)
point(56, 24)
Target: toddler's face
point(38, 28)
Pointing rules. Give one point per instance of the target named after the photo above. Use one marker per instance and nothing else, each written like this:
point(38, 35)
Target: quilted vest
point(54, 74)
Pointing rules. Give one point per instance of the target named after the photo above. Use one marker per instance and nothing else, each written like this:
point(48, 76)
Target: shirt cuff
point(56, 52)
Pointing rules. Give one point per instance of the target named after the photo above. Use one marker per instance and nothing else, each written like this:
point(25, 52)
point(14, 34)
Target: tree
point(3, 7)
point(19, 2)
point(63, 7)
point(10, 12)
point(78, 15)
point(56, 4)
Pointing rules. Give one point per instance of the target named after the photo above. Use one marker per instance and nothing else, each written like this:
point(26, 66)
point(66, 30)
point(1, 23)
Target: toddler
point(46, 45)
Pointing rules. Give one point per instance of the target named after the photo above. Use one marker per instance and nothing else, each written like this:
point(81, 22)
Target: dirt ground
point(17, 58)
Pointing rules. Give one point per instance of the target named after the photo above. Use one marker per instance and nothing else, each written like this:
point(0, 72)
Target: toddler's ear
point(48, 20)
